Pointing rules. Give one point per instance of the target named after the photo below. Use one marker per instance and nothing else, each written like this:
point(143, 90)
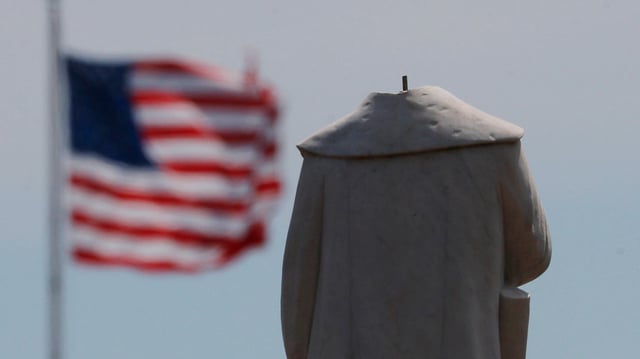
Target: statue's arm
point(526, 239)
point(302, 261)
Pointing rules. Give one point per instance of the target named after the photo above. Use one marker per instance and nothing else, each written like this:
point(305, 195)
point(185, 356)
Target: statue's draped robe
point(411, 215)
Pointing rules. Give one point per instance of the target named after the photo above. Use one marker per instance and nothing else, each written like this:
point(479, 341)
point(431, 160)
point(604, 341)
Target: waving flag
point(171, 164)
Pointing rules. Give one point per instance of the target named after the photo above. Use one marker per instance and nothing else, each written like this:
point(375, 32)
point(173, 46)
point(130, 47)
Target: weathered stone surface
point(404, 232)
point(423, 119)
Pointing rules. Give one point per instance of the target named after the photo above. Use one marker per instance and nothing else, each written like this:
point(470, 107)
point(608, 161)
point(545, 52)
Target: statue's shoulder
point(419, 120)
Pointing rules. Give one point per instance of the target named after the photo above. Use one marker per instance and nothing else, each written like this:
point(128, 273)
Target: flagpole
point(55, 300)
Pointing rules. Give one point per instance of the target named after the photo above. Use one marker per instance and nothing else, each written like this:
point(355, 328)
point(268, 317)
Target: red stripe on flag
point(148, 232)
point(229, 207)
point(143, 97)
point(272, 110)
point(270, 149)
point(255, 237)
point(270, 185)
point(92, 258)
point(165, 132)
point(233, 173)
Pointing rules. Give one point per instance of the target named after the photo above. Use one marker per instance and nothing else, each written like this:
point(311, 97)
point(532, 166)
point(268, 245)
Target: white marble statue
point(411, 216)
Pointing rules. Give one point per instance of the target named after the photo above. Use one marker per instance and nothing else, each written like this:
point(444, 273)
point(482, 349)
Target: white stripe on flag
point(194, 149)
point(144, 214)
point(266, 169)
point(157, 81)
point(185, 115)
point(155, 181)
point(157, 249)
point(265, 205)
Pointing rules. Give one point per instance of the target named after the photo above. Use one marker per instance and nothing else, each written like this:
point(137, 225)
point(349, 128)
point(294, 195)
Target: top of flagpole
point(251, 68)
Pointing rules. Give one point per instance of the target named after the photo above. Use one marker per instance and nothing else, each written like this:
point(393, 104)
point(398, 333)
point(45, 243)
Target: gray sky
point(566, 71)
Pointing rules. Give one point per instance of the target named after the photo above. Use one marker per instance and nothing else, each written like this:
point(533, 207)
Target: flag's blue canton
point(101, 114)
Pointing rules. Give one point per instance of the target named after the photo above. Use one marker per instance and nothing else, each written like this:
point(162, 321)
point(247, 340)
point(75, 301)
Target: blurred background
point(565, 71)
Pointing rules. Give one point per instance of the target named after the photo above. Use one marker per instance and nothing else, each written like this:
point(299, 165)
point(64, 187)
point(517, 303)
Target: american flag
point(171, 164)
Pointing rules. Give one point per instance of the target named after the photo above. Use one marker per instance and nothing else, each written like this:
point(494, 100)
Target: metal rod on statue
point(55, 302)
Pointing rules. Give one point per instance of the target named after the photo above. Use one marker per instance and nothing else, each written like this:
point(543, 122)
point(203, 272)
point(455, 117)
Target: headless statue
point(415, 221)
